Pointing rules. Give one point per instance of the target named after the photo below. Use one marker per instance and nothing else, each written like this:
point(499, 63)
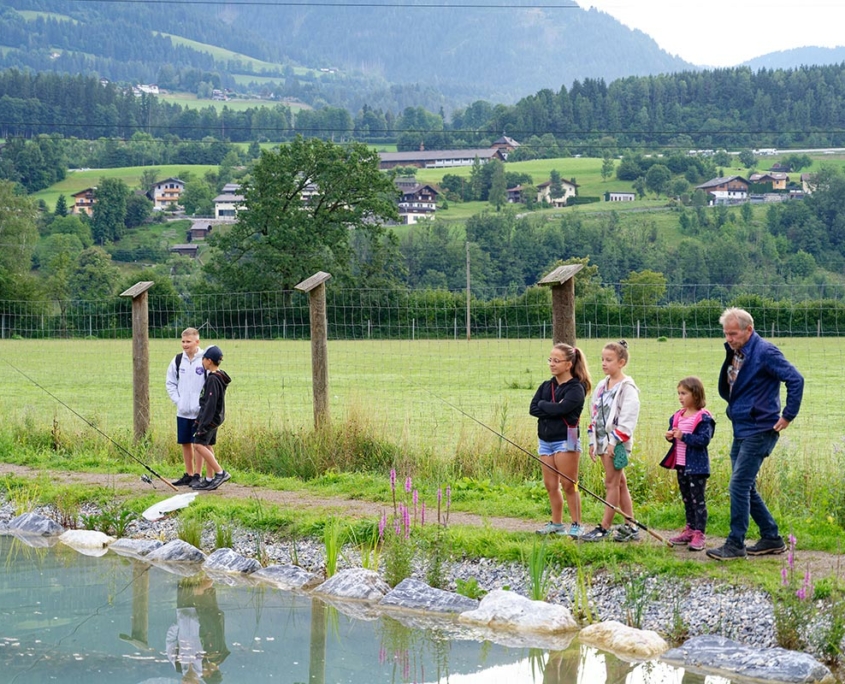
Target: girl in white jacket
point(614, 410)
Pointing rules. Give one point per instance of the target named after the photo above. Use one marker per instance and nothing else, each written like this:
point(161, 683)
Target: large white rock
point(413, 594)
point(641, 644)
point(227, 560)
point(507, 610)
point(288, 577)
point(710, 653)
point(358, 584)
point(87, 542)
point(135, 548)
point(177, 551)
point(35, 524)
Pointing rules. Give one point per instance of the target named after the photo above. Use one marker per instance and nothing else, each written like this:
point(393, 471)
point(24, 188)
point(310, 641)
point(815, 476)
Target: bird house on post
point(140, 357)
point(315, 286)
point(562, 282)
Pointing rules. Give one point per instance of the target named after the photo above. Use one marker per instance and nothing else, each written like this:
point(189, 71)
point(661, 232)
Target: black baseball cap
point(214, 354)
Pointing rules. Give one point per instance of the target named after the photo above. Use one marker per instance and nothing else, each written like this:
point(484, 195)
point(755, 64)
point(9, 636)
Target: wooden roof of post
point(309, 284)
point(561, 274)
point(138, 288)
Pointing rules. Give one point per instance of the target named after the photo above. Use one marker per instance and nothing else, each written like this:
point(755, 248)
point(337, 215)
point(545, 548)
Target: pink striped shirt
point(687, 425)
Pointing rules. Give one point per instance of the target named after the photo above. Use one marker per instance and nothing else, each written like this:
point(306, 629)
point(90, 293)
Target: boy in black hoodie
point(211, 416)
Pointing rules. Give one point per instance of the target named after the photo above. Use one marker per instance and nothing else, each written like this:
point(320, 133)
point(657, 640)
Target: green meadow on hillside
point(80, 179)
point(191, 101)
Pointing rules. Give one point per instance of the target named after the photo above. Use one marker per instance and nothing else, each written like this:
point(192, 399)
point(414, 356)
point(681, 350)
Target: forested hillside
point(367, 48)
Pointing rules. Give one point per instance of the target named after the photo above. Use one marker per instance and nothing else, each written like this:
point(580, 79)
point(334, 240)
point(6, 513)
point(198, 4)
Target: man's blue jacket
point(754, 401)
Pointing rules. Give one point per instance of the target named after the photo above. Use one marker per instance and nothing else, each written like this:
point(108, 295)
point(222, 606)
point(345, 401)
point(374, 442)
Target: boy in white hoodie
point(185, 380)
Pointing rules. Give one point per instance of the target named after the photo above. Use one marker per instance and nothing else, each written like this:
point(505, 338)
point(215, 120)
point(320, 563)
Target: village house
point(166, 193)
point(506, 144)
point(83, 202)
point(620, 196)
point(726, 190)
point(417, 201)
point(777, 179)
point(544, 193)
point(198, 231)
point(229, 202)
point(185, 250)
point(436, 159)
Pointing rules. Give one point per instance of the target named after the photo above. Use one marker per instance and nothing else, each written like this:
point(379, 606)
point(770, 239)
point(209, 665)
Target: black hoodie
point(213, 401)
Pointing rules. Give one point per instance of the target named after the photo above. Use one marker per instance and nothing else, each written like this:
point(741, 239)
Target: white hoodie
point(185, 390)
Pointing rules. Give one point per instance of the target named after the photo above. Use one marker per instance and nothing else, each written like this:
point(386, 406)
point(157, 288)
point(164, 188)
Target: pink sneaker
point(697, 541)
point(685, 537)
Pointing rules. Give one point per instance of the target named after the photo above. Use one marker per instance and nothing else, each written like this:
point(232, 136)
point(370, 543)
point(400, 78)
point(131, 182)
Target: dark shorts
point(185, 428)
point(207, 438)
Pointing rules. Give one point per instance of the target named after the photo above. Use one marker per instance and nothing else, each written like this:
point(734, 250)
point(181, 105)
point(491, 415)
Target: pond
point(67, 617)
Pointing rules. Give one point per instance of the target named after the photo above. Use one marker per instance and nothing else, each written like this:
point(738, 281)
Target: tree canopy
point(302, 204)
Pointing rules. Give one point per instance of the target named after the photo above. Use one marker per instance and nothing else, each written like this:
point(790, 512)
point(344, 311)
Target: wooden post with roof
point(140, 357)
point(562, 282)
point(315, 286)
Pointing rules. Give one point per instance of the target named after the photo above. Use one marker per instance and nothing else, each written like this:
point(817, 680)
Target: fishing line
point(618, 510)
point(91, 425)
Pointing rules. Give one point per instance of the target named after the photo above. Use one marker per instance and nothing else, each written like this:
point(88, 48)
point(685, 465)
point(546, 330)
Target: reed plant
point(333, 542)
point(539, 571)
point(222, 534)
point(189, 530)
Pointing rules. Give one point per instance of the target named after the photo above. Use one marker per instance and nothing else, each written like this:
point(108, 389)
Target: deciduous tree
point(302, 204)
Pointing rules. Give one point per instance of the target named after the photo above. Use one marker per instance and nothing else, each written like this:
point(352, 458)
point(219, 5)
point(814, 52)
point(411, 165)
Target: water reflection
point(69, 618)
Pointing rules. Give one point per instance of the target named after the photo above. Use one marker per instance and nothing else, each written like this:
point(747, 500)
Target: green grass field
point(190, 101)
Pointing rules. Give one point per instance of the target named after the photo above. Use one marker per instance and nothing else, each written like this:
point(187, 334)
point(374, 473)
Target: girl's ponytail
point(580, 369)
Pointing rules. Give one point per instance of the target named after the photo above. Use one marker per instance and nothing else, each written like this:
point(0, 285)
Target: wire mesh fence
point(394, 355)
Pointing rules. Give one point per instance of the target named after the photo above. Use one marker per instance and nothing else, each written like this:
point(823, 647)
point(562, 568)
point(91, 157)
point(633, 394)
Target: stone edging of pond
point(502, 616)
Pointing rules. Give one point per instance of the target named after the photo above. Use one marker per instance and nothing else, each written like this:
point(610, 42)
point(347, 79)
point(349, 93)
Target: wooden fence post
point(562, 282)
point(315, 286)
point(140, 357)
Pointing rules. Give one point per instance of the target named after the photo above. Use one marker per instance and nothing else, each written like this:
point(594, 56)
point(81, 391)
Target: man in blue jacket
point(750, 382)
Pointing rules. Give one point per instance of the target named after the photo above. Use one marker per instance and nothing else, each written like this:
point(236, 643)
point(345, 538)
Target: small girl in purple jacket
point(690, 431)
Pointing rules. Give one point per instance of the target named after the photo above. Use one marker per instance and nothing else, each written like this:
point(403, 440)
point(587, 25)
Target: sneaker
point(626, 533)
point(697, 541)
point(199, 482)
point(767, 546)
point(727, 552)
point(552, 528)
point(685, 536)
point(183, 481)
point(217, 480)
point(576, 531)
point(598, 534)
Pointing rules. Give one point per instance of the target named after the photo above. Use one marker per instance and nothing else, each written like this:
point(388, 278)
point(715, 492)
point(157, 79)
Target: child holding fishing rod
point(614, 410)
point(557, 405)
point(690, 431)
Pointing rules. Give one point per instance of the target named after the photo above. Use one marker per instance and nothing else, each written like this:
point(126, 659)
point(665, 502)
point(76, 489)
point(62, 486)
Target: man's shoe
point(200, 483)
point(684, 537)
point(217, 480)
point(598, 534)
point(697, 541)
point(727, 552)
point(626, 533)
point(552, 528)
point(183, 481)
point(767, 546)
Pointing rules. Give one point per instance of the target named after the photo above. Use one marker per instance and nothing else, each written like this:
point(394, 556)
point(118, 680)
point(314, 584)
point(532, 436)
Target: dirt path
point(821, 564)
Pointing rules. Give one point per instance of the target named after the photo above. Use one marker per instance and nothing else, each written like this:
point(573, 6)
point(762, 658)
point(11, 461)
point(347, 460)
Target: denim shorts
point(571, 444)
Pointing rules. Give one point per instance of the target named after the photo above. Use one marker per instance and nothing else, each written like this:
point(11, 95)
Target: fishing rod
point(91, 425)
point(618, 510)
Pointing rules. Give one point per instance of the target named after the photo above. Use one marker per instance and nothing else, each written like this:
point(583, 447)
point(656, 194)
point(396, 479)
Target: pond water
point(66, 617)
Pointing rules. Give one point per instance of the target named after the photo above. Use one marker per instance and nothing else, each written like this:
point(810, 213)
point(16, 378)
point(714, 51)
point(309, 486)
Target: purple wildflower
point(408, 485)
point(406, 519)
point(393, 479)
point(422, 514)
point(416, 497)
point(801, 593)
point(784, 576)
point(381, 525)
point(792, 539)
